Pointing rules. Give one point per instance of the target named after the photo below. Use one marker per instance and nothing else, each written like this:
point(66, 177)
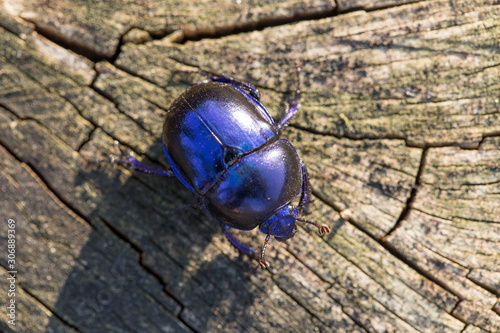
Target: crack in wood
point(245, 27)
point(105, 95)
point(391, 249)
point(150, 271)
point(23, 118)
point(353, 318)
point(67, 42)
point(44, 305)
point(490, 289)
point(86, 140)
point(409, 202)
point(296, 300)
point(51, 311)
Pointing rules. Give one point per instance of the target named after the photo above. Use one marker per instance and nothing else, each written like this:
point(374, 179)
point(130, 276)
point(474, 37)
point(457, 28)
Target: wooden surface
point(399, 127)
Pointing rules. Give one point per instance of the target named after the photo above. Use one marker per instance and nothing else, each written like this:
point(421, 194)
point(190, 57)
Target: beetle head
point(281, 225)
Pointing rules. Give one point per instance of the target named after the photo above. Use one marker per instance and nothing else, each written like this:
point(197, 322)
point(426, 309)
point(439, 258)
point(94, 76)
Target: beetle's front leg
point(240, 246)
point(125, 159)
point(305, 198)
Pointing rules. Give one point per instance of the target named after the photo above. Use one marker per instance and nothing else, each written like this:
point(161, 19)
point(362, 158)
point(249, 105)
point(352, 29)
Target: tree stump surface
point(399, 127)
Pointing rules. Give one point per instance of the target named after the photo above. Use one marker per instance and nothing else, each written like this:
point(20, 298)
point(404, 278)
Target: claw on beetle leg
point(262, 262)
point(322, 229)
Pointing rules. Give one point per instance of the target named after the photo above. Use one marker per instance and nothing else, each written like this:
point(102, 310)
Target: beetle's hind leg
point(294, 104)
point(125, 159)
point(252, 91)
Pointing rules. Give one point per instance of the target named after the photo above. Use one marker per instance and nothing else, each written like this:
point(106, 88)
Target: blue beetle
point(224, 146)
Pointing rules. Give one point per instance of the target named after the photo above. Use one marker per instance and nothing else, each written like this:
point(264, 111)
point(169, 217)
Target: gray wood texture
point(399, 127)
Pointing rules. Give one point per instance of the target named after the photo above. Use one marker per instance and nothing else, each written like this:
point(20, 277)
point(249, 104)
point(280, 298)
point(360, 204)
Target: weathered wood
point(97, 28)
point(399, 128)
point(453, 229)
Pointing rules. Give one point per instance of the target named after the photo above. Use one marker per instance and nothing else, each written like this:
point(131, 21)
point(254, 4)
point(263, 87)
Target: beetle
point(224, 146)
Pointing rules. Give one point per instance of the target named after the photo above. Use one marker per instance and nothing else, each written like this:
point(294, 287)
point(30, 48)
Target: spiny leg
point(128, 161)
point(294, 105)
point(240, 246)
point(252, 91)
point(322, 229)
point(262, 262)
point(305, 196)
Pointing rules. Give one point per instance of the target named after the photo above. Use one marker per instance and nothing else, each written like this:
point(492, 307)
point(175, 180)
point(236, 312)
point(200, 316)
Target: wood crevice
point(120, 235)
point(55, 314)
point(409, 202)
point(394, 251)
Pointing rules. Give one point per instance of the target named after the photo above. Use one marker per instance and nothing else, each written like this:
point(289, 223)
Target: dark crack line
point(353, 137)
point(371, 137)
point(110, 98)
point(483, 285)
point(67, 42)
point(394, 251)
point(97, 276)
point(136, 75)
point(268, 22)
point(261, 24)
point(389, 310)
point(465, 219)
point(353, 318)
point(465, 329)
point(121, 42)
point(313, 315)
point(458, 264)
point(27, 118)
point(373, 296)
point(194, 278)
point(409, 202)
point(331, 285)
point(119, 234)
point(489, 135)
point(64, 321)
point(6, 28)
point(86, 140)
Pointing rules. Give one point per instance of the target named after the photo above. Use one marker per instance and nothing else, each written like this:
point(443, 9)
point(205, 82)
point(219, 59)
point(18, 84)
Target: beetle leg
point(322, 229)
point(294, 105)
point(306, 190)
point(252, 91)
point(241, 247)
point(128, 161)
point(262, 262)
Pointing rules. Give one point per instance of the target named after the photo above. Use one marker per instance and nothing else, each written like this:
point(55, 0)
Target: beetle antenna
point(262, 262)
point(322, 229)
